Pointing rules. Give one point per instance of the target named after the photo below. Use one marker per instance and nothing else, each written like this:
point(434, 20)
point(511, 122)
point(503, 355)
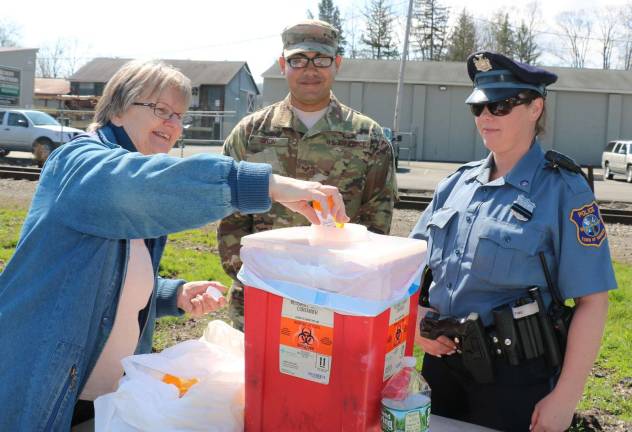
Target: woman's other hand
point(296, 195)
point(437, 347)
point(554, 413)
point(194, 298)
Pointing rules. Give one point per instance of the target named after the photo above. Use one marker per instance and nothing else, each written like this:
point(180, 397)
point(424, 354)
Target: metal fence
point(207, 127)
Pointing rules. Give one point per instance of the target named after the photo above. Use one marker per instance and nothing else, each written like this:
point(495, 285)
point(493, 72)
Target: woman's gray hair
point(134, 80)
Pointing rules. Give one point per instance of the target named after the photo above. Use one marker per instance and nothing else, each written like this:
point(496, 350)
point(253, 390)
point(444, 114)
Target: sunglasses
point(499, 108)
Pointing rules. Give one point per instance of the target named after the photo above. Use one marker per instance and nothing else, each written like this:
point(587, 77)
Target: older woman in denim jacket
point(82, 290)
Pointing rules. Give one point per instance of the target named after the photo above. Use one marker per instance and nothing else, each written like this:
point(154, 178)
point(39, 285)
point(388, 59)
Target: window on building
point(86, 89)
point(251, 102)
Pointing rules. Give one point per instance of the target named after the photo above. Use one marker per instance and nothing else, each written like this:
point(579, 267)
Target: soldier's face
point(310, 86)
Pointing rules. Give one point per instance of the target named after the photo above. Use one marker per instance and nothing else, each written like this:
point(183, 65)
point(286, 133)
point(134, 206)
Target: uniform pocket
point(271, 150)
point(507, 254)
point(438, 226)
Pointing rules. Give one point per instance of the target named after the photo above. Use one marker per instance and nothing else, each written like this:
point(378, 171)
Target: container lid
point(369, 273)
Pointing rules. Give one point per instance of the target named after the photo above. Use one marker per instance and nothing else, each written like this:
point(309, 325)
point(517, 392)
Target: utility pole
point(402, 66)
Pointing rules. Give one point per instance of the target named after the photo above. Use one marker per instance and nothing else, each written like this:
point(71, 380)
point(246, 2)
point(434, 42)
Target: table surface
point(437, 424)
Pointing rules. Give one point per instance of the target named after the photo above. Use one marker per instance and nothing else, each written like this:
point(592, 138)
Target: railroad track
point(406, 202)
point(412, 202)
point(19, 173)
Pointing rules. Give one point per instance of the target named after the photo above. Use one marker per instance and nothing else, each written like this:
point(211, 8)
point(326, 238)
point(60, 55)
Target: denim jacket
point(60, 290)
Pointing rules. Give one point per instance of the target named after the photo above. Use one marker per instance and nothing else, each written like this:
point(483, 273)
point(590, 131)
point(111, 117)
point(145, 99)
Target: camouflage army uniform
point(344, 149)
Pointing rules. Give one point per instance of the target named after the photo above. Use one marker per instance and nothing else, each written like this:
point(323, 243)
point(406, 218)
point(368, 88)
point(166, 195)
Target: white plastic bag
point(143, 402)
point(359, 274)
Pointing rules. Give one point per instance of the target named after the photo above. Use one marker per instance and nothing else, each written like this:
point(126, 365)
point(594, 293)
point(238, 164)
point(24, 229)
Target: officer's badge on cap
point(481, 63)
point(497, 77)
point(591, 230)
point(310, 35)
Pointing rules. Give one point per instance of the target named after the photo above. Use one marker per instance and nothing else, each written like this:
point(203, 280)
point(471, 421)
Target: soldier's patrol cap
point(497, 77)
point(310, 35)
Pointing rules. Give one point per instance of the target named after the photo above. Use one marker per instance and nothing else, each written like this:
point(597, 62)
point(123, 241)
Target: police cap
point(310, 35)
point(497, 77)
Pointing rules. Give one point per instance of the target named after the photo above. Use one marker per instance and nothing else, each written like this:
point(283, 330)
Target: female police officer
point(494, 229)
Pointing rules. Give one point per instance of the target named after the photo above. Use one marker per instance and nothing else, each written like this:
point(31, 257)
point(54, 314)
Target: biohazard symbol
point(306, 336)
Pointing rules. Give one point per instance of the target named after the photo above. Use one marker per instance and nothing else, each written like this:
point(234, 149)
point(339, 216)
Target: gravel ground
point(18, 193)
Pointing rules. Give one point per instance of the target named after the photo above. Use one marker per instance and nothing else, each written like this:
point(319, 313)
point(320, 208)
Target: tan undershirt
point(123, 339)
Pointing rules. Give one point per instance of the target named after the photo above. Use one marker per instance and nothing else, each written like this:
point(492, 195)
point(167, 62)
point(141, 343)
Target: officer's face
point(511, 133)
point(310, 86)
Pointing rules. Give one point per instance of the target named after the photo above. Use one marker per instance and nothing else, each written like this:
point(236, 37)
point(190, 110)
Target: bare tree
point(609, 27)
point(430, 29)
point(576, 27)
point(379, 36)
point(626, 42)
point(9, 33)
point(353, 36)
point(59, 59)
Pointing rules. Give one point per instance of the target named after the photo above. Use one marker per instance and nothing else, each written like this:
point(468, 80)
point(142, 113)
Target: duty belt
point(521, 331)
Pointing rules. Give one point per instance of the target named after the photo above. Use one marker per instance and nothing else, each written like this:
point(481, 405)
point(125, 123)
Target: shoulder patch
point(591, 230)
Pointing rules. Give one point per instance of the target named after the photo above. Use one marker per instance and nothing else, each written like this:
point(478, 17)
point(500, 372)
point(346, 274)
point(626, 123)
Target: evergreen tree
point(525, 48)
point(429, 29)
point(330, 13)
point(463, 38)
point(379, 37)
point(503, 38)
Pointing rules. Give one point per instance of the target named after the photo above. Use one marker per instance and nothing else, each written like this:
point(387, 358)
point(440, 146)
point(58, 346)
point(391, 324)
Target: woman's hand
point(552, 414)
point(296, 195)
point(193, 298)
point(438, 347)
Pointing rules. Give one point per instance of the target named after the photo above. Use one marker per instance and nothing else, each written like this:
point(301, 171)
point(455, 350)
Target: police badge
point(482, 63)
point(590, 228)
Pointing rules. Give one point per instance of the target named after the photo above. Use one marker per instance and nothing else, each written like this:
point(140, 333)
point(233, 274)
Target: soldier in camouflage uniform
point(310, 136)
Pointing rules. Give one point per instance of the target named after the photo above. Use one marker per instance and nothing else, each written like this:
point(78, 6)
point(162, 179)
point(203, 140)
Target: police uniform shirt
point(484, 236)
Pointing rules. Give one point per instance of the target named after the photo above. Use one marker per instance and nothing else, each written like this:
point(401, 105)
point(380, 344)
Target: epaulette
point(564, 164)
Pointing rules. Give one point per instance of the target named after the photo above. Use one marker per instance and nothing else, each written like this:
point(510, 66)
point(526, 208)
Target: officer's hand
point(554, 413)
point(193, 298)
point(438, 347)
point(296, 195)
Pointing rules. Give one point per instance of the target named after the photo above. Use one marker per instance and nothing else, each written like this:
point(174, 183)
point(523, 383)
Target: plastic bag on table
point(197, 385)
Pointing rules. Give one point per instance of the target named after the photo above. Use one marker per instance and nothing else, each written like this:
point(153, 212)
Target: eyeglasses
point(301, 62)
point(499, 108)
point(162, 110)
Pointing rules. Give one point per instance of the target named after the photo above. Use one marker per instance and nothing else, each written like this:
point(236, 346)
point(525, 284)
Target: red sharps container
point(329, 315)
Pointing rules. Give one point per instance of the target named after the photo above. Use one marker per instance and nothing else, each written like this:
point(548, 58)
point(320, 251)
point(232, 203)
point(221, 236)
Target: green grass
point(10, 225)
point(614, 364)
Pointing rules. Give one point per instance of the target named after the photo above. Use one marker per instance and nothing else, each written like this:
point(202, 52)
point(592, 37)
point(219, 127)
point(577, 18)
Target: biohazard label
point(306, 341)
point(396, 337)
